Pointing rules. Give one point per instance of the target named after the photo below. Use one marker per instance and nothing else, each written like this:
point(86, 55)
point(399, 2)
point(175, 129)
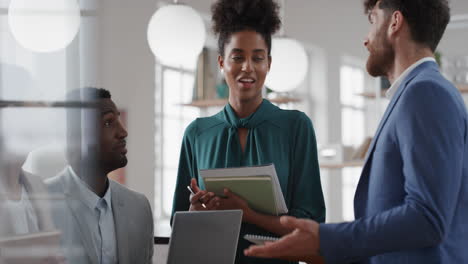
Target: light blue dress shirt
point(100, 219)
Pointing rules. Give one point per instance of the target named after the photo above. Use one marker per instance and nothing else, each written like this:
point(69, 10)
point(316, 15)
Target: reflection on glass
point(27, 234)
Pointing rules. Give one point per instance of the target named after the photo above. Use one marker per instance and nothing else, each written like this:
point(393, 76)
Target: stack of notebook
point(258, 185)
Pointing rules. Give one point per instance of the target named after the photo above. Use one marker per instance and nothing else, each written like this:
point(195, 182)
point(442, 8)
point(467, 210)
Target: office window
point(353, 129)
point(174, 87)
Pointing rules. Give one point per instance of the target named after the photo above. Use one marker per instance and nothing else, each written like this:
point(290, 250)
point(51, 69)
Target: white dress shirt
point(100, 219)
point(393, 89)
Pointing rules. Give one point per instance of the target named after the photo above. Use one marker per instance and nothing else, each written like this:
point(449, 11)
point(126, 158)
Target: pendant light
point(176, 35)
point(290, 62)
point(44, 25)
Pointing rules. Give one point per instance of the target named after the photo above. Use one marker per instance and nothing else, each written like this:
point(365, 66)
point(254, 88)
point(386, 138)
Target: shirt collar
point(393, 89)
point(261, 114)
point(88, 197)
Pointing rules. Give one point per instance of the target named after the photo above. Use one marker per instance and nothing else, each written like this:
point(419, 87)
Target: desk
point(161, 249)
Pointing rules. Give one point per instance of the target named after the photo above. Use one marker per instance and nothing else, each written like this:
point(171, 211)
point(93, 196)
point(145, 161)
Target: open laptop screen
point(210, 237)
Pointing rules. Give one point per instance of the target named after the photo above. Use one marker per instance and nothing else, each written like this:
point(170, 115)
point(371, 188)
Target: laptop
point(208, 237)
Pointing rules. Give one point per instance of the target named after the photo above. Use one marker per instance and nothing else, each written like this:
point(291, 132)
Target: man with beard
point(410, 204)
point(101, 221)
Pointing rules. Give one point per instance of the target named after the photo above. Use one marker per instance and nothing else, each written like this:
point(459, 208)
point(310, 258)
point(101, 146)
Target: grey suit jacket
point(132, 217)
point(39, 199)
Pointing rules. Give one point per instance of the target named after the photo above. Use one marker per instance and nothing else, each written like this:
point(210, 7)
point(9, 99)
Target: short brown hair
point(427, 19)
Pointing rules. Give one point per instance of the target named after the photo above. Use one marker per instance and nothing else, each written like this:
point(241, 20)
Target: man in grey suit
point(101, 220)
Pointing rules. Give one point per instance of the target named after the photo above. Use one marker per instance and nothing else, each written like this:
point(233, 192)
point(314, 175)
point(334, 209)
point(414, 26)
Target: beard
point(381, 56)
point(117, 161)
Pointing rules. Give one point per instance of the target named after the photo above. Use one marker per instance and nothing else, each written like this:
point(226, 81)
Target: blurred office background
point(158, 100)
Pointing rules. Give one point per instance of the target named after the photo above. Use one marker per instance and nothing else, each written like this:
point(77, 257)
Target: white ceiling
point(340, 25)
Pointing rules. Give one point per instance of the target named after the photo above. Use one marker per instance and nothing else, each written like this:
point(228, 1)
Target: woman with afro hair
point(250, 130)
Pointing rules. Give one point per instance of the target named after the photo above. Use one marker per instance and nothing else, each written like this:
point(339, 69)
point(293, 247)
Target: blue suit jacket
point(411, 204)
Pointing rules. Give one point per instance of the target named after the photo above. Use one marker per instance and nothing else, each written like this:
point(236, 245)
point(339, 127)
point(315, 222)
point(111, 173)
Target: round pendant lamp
point(44, 25)
point(176, 35)
point(290, 62)
point(289, 65)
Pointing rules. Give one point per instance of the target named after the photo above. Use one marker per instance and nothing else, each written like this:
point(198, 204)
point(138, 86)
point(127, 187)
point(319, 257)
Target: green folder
point(257, 191)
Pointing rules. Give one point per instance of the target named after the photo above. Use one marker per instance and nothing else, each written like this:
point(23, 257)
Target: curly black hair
point(231, 16)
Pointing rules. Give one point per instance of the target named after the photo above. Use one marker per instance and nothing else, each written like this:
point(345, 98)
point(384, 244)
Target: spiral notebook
point(260, 240)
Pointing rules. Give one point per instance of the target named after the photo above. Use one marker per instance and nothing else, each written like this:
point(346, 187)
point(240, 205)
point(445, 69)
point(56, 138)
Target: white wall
point(127, 70)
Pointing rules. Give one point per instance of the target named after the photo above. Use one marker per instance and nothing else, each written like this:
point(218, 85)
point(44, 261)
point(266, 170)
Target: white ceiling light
point(44, 25)
point(289, 64)
point(176, 35)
